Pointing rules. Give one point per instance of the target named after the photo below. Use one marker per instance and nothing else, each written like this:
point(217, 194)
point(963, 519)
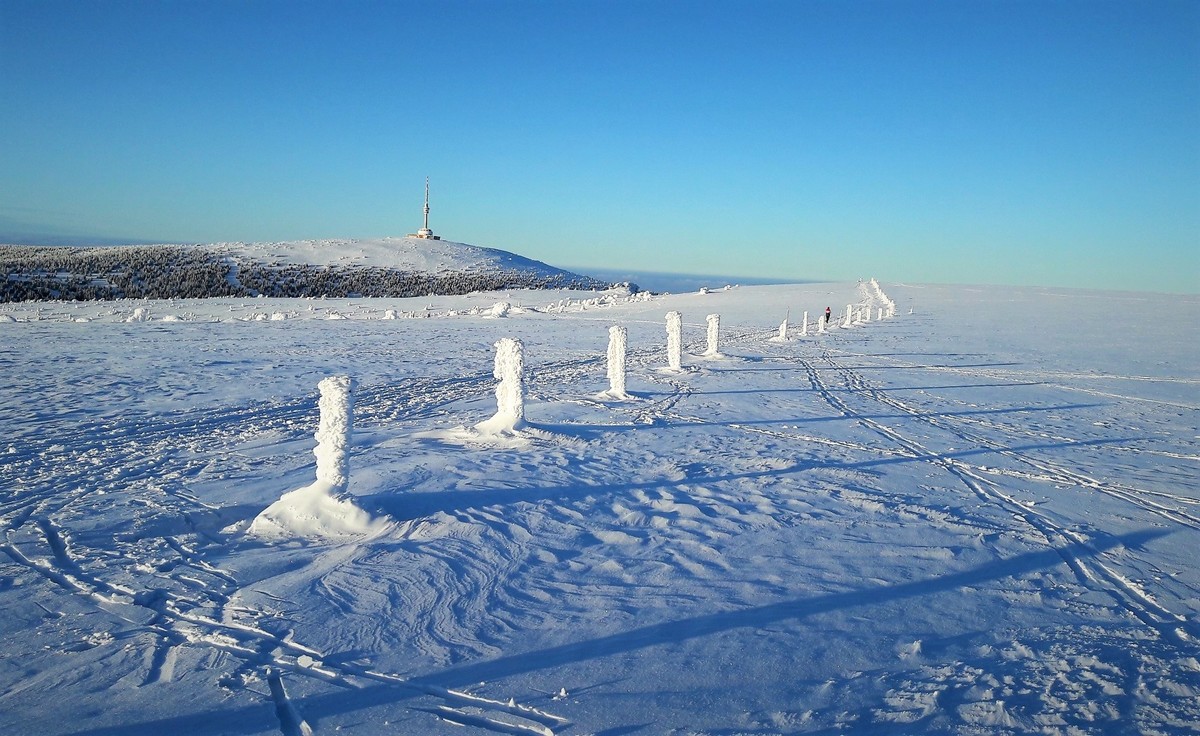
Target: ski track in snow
point(1093, 572)
point(167, 572)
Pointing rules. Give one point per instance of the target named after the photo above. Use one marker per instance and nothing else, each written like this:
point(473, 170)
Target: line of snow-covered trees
point(182, 272)
point(305, 280)
point(157, 272)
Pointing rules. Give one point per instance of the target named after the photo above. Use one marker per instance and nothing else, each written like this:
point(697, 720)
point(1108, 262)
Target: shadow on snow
point(249, 719)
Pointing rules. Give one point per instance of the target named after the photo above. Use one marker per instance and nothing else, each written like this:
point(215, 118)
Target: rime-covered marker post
point(333, 432)
point(618, 338)
point(323, 509)
point(675, 341)
point(510, 392)
point(804, 325)
point(849, 315)
point(714, 335)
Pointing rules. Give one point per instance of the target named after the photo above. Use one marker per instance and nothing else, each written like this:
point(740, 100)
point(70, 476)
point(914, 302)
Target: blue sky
point(965, 142)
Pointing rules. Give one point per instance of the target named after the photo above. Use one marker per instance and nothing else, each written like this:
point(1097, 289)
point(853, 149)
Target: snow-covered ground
point(979, 516)
point(408, 253)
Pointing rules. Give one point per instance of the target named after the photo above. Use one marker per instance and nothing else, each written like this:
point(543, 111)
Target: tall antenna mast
point(425, 232)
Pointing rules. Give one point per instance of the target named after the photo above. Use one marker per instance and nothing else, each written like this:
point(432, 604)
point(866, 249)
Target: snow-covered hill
point(387, 267)
point(402, 254)
point(980, 516)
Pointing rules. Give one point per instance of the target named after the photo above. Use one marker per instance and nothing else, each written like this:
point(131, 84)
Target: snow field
point(945, 523)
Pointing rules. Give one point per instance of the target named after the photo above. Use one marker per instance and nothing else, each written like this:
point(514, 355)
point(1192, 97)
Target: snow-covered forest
point(948, 510)
point(197, 271)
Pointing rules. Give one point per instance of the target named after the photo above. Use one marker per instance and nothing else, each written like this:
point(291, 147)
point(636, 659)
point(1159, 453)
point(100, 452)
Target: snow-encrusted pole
point(783, 326)
point(821, 325)
point(879, 317)
point(510, 392)
point(333, 432)
point(849, 315)
point(714, 334)
point(804, 325)
point(322, 509)
point(617, 339)
point(675, 340)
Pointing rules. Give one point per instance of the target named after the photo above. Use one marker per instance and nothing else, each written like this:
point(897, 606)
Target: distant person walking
point(828, 314)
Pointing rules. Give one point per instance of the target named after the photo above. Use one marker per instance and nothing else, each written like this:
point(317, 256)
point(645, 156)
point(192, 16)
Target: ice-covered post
point(821, 325)
point(510, 392)
point(333, 432)
point(867, 313)
point(674, 340)
point(804, 325)
point(783, 326)
point(322, 508)
point(879, 317)
point(849, 315)
point(617, 339)
point(714, 334)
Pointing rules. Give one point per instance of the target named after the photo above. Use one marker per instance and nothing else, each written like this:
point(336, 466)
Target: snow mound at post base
point(315, 511)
